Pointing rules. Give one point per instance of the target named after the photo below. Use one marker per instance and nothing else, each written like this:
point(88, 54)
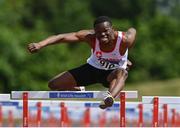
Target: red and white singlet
point(108, 60)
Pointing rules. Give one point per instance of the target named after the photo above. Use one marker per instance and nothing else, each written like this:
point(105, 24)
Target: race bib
point(106, 64)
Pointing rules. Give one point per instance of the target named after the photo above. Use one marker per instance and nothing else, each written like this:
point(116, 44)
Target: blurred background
point(155, 56)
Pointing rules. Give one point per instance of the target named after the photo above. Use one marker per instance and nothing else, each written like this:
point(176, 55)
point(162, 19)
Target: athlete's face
point(104, 32)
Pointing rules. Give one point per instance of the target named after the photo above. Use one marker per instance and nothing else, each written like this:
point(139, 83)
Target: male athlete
point(107, 64)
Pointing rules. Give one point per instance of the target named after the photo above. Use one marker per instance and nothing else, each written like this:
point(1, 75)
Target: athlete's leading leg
point(117, 81)
point(63, 81)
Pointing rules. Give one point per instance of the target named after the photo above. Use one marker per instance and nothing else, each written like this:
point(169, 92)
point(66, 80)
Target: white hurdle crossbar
point(34, 95)
point(67, 94)
point(156, 101)
point(162, 99)
point(5, 97)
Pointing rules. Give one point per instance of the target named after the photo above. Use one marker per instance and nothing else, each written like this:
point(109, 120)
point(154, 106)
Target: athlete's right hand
point(34, 47)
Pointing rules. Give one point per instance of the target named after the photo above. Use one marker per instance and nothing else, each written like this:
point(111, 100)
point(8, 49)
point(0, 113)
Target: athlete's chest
point(107, 51)
point(107, 47)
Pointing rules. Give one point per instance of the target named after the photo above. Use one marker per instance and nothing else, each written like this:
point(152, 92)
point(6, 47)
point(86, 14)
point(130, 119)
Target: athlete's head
point(103, 29)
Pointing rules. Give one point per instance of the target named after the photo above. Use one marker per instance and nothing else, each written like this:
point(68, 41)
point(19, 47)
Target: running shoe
point(107, 102)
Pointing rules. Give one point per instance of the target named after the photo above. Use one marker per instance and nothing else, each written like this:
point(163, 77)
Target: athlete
point(108, 63)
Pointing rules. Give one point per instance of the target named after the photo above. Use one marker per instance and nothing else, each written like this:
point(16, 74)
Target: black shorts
point(87, 74)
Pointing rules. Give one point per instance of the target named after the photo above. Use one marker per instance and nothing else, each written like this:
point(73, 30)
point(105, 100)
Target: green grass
point(157, 88)
point(152, 88)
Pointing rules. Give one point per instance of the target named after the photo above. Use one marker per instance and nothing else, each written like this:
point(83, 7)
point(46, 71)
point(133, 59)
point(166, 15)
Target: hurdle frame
point(158, 100)
point(34, 95)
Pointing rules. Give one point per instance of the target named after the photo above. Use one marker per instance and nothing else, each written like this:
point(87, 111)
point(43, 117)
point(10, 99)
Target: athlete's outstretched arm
point(83, 35)
point(129, 37)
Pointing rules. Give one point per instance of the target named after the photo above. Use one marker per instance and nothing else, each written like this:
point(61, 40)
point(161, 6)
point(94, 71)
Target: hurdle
point(4, 97)
point(73, 106)
point(156, 101)
point(34, 95)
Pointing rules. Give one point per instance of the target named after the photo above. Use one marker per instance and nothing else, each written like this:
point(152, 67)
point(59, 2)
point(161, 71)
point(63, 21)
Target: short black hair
point(102, 19)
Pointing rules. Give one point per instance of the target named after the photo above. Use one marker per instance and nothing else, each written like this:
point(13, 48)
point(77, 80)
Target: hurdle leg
point(25, 109)
point(62, 112)
point(38, 119)
point(155, 111)
point(87, 117)
point(122, 109)
point(165, 115)
point(140, 120)
point(67, 122)
point(173, 119)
